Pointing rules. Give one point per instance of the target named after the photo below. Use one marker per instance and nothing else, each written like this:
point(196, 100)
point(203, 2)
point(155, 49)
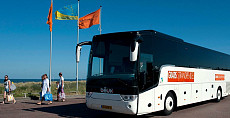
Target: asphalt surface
point(75, 107)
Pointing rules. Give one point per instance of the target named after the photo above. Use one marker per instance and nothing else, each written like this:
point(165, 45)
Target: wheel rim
point(169, 103)
point(218, 94)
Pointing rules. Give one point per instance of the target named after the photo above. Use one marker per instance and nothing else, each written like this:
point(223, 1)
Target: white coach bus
point(146, 71)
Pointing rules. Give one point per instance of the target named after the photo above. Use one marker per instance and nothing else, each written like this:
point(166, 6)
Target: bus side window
point(149, 73)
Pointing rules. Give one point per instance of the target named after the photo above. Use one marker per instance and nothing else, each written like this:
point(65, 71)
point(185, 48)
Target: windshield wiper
point(98, 74)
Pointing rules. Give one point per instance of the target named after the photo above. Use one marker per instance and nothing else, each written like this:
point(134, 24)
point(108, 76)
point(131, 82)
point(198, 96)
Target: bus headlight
point(128, 97)
point(88, 94)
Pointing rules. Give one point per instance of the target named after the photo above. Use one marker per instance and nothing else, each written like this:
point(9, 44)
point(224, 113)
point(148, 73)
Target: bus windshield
point(109, 57)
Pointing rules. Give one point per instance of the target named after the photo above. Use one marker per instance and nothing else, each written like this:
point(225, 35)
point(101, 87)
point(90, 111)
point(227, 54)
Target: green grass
point(35, 87)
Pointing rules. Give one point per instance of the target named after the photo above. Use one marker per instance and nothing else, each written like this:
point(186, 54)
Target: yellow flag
point(60, 16)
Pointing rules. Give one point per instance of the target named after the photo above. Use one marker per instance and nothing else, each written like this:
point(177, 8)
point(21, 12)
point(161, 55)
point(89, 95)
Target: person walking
point(45, 88)
point(7, 90)
point(61, 88)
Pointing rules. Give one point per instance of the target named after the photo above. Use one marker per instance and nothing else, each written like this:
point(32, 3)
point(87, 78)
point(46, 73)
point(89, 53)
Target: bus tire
point(218, 95)
point(169, 104)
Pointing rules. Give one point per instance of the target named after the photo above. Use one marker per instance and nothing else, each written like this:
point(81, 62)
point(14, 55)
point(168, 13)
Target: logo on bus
point(180, 76)
point(106, 90)
point(219, 77)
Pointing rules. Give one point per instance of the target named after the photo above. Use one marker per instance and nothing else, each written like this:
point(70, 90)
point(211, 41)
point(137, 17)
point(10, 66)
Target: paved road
point(75, 107)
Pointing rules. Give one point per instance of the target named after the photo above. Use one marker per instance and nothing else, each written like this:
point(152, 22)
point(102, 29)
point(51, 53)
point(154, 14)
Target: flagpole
point(50, 57)
point(100, 19)
point(51, 38)
point(100, 34)
point(77, 43)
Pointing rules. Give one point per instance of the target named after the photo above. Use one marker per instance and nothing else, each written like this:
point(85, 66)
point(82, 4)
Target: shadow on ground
point(75, 110)
point(80, 110)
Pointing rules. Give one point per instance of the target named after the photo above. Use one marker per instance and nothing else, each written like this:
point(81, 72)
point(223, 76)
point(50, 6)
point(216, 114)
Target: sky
point(25, 36)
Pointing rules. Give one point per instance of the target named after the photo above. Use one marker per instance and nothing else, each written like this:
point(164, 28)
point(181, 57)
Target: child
point(57, 83)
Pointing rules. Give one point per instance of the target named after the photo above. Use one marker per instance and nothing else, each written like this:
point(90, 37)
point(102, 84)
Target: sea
point(36, 80)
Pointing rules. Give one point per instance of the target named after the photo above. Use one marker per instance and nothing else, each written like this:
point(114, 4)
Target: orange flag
point(90, 19)
point(49, 21)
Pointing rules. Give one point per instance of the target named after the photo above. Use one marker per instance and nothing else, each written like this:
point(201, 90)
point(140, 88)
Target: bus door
point(146, 95)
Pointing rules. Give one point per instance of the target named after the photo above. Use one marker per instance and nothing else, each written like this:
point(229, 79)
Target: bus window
point(146, 70)
point(149, 74)
point(97, 66)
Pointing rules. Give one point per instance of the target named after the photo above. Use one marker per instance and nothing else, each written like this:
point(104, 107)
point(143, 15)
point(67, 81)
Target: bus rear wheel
point(218, 95)
point(169, 104)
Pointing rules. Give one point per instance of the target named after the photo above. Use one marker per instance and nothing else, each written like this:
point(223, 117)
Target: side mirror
point(134, 51)
point(78, 53)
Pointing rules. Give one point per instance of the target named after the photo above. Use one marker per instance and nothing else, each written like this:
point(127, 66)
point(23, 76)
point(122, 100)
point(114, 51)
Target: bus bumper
point(118, 106)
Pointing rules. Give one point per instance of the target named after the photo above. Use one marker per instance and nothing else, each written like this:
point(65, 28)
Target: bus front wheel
point(169, 104)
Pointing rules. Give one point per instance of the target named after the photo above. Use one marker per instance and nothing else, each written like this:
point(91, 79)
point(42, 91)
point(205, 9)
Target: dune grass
point(35, 87)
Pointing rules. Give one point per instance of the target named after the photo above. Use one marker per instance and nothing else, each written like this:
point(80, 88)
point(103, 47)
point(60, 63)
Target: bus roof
point(148, 32)
point(142, 32)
